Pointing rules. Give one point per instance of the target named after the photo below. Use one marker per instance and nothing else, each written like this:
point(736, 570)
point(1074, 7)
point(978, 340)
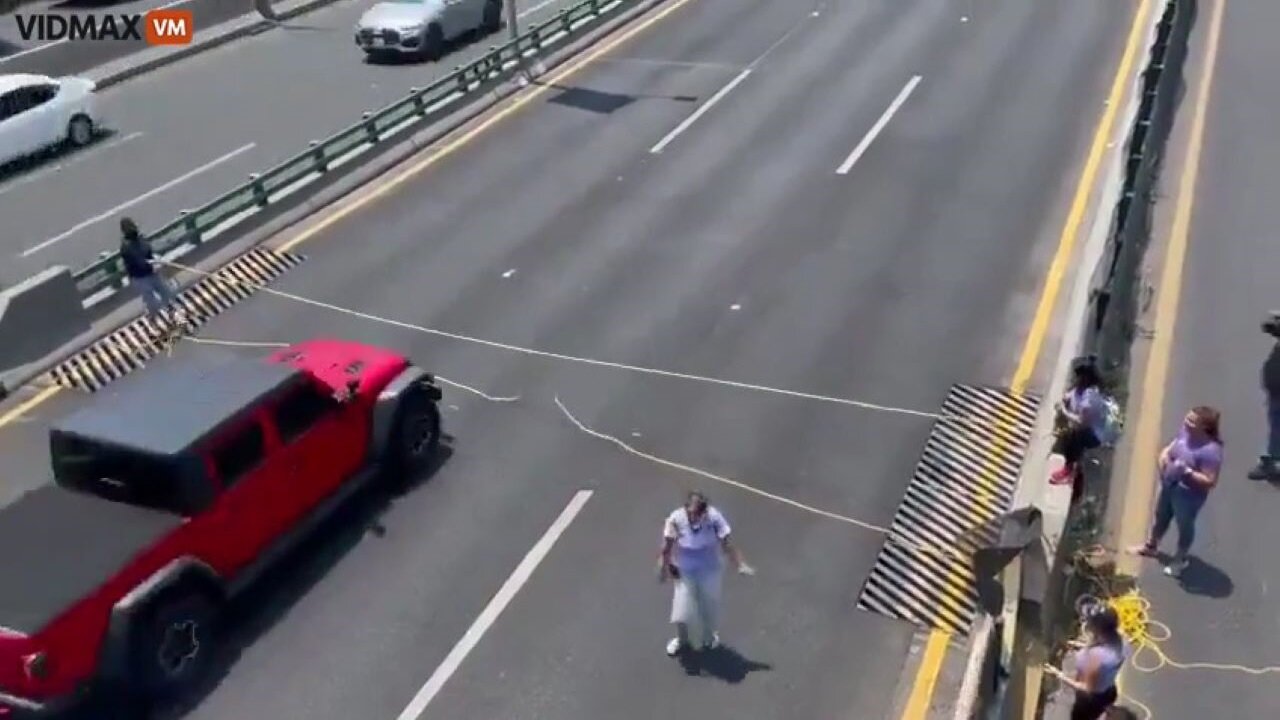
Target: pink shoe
point(1062, 476)
point(1145, 550)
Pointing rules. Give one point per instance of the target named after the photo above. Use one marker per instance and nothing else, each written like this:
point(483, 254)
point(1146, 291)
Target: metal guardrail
point(194, 227)
point(1118, 293)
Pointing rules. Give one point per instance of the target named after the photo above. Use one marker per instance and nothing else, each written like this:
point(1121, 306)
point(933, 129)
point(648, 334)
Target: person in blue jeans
point(1268, 467)
point(1189, 468)
point(139, 265)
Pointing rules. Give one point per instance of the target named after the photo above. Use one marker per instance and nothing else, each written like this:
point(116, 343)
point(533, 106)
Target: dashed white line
point(699, 112)
point(86, 154)
point(130, 203)
point(490, 614)
point(536, 8)
point(876, 129)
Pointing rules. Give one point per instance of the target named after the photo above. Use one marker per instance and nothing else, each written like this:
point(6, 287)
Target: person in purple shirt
point(1082, 418)
point(1189, 468)
point(1098, 665)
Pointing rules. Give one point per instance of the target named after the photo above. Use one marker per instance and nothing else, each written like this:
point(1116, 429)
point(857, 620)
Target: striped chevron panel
point(965, 479)
point(138, 342)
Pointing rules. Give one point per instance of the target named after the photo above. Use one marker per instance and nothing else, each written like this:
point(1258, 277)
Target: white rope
point(882, 530)
point(584, 360)
point(257, 344)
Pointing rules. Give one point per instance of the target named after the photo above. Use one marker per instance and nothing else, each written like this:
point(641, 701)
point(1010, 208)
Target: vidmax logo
point(169, 27)
point(158, 27)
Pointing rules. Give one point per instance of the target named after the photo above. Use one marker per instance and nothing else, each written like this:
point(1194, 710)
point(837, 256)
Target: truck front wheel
point(416, 435)
point(175, 643)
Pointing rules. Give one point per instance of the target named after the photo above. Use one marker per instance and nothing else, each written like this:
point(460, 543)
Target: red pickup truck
point(173, 490)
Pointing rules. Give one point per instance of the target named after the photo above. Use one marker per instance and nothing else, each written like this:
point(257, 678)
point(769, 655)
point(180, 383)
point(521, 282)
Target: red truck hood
point(337, 362)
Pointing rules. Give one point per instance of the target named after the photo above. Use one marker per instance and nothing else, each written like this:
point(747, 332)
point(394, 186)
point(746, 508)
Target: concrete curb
point(139, 63)
point(403, 152)
point(1032, 489)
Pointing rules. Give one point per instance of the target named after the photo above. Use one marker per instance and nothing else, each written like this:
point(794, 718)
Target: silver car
point(424, 28)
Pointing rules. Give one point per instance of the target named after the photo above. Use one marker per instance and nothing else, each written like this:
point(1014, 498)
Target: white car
point(38, 112)
point(423, 28)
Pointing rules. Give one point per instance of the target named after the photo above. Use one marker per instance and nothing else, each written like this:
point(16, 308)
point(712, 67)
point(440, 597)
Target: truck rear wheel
point(175, 643)
point(416, 435)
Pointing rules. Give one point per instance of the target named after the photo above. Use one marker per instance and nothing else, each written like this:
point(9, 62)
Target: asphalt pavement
point(184, 134)
point(1224, 609)
point(68, 57)
point(739, 251)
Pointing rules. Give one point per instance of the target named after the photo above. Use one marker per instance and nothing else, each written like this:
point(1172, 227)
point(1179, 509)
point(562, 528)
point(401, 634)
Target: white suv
point(38, 112)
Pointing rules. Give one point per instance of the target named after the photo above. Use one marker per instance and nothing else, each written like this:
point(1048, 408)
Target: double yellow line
point(935, 649)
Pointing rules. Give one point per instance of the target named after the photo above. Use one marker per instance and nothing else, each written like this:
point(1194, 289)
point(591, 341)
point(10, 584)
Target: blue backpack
point(1113, 426)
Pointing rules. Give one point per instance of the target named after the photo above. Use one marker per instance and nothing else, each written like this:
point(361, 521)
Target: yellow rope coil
point(1145, 636)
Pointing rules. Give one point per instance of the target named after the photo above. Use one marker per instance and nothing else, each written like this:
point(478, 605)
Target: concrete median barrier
point(37, 316)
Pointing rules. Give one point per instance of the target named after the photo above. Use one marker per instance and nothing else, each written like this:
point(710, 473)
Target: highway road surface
point(866, 212)
point(66, 57)
point(1223, 610)
point(187, 133)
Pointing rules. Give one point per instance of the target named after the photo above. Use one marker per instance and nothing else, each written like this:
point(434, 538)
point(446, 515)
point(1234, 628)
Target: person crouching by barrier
point(1081, 421)
point(693, 538)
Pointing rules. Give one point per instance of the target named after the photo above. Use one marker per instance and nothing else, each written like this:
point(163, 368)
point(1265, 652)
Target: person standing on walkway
point(1268, 467)
point(693, 538)
point(1189, 468)
point(139, 265)
point(1098, 665)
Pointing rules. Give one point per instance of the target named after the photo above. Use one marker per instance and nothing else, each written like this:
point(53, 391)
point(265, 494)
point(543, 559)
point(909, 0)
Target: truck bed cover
point(174, 407)
point(57, 546)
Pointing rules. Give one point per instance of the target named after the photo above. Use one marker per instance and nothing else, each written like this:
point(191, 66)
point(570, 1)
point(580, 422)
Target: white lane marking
point(536, 8)
point(490, 614)
point(699, 112)
point(46, 46)
point(130, 203)
point(879, 126)
point(83, 155)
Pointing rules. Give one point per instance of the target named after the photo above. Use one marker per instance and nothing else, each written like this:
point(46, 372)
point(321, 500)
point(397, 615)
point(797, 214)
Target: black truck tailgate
point(57, 546)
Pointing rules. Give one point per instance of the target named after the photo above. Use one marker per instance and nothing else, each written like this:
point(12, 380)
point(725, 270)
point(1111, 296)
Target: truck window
point(301, 409)
point(239, 453)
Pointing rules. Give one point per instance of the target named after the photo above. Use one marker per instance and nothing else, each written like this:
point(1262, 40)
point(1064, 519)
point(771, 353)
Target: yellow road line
point(925, 683)
point(28, 405)
point(522, 100)
point(1146, 436)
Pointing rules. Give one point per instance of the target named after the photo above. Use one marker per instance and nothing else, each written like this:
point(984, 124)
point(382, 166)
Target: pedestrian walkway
point(1215, 638)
